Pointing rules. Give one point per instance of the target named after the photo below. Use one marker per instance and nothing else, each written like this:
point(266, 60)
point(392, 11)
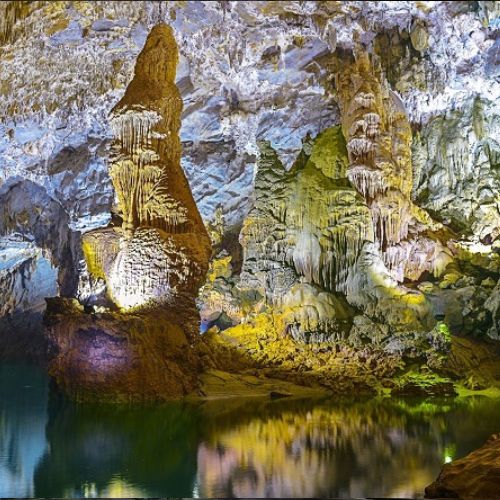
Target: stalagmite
point(152, 265)
point(351, 229)
point(308, 226)
point(378, 140)
point(162, 232)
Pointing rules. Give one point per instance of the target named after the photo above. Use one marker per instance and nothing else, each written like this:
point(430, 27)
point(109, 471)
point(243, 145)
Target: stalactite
point(378, 140)
point(368, 182)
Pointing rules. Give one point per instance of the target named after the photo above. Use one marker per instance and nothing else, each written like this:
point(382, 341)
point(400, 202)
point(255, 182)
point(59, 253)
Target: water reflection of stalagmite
point(322, 452)
point(113, 450)
point(258, 448)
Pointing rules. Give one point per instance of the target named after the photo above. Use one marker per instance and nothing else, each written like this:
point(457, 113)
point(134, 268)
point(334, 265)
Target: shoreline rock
point(477, 475)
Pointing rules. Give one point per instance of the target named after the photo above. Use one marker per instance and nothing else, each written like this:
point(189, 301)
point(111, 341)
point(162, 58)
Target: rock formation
point(474, 476)
point(344, 157)
point(38, 259)
point(406, 241)
point(303, 236)
point(153, 264)
point(334, 248)
point(341, 221)
point(163, 247)
point(115, 357)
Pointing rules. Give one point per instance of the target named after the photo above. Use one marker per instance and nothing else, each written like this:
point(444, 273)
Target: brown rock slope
point(475, 476)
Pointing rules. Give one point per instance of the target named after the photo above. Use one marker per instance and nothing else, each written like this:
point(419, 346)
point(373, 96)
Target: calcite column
point(378, 135)
point(152, 266)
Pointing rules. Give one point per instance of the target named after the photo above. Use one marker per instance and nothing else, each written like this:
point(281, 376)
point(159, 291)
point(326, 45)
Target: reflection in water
point(99, 450)
point(23, 417)
point(323, 450)
point(228, 449)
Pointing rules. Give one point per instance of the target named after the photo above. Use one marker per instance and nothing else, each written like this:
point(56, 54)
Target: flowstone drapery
point(303, 236)
point(378, 136)
point(340, 227)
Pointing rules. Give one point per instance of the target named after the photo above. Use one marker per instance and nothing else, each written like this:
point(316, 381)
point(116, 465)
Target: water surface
point(50, 447)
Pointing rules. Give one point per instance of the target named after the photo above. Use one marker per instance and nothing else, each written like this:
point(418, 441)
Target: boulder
point(475, 476)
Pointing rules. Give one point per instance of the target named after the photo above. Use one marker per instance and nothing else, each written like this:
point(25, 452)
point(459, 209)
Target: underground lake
point(51, 447)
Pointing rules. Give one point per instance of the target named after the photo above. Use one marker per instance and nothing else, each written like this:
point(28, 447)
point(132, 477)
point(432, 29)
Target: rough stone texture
point(475, 476)
point(38, 258)
point(252, 73)
point(302, 237)
point(27, 277)
point(378, 135)
point(152, 265)
point(119, 358)
point(492, 304)
point(157, 268)
point(248, 71)
point(458, 154)
point(28, 213)
point(309, 244)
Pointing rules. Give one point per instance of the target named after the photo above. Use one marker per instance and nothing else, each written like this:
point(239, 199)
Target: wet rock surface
point(112, 357)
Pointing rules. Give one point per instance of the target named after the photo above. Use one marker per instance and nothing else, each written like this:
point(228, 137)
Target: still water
point(52, 448)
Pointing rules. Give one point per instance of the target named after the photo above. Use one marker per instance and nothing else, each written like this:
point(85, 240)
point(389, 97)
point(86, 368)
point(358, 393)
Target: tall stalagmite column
point(152, 265)
point(145, 167)
point(164, 247)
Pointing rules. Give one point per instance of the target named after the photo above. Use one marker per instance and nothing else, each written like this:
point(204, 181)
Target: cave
point(249, 249)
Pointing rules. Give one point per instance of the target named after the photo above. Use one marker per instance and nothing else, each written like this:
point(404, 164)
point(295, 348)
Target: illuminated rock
point(378, 135)
point(454, 159)
point(115, 357)
point(492, 304)
point(153, 264)
point(164, 247)
point(253, 73)
point(307, 226)
point(156, 267)
point(28, 212)
point(311, 225)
